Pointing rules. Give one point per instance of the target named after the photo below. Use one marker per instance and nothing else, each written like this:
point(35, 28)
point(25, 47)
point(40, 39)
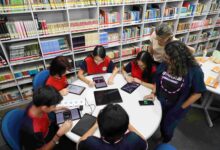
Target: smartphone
point(146, 102)
point(72, 114)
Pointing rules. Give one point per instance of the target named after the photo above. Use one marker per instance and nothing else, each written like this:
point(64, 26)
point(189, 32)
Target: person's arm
point(62, 130)
point(64, 92)
point(126, 69)
point(132, 129)
point(152, 94)
point(192, 99)
point(111, 78)
point(90, 132)
point(191, 49)
point(148, 85)
point(84, 79)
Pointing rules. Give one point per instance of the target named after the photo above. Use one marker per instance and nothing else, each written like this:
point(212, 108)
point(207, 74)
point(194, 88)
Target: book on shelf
point(183, 26)
point(9, 96)
point(110, 2)
point(103, 38)
point(148, 30)
point(109, 17)
point(197, 24)
point(153, 11)
point(133, 15)
point(8, 6)
point(4, 33)
point(24, 51)
point(192, 38)
point(131, 33)
point(218, 22)
point(187, 9)
point(215, 6)
point(5, 76)
point(83, 25)
point(113, 36)
point(171, 12)
point(113, 54)
point(201, 8)
point(215, 33)
point(28, 71)
point(205, 35)
point(3, 61)
point(212, 44)
point(54, 46)
point(130, 50)
point(27, 92)
point(201, 47)
point(47, 4)
point(80, 3)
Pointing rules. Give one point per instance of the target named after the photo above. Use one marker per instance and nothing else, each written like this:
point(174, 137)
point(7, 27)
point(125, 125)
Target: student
point(142, 70)
point(113, 122)
point(57, 78)
point(36, 131)
point(97, 63)
point(179, 83)
point(162, 35)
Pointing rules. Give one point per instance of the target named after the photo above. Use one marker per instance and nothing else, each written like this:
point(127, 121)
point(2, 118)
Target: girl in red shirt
point(57, 78)
point(97, 63)
point(142, 70)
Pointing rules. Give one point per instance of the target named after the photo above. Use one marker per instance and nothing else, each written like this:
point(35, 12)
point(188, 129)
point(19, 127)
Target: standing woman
point(57, 78)
point(162, 35)
point(179, 83)
point(97, 63)
point(142, 70)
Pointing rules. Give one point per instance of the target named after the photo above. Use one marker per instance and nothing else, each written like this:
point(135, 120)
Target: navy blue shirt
point(130, 141)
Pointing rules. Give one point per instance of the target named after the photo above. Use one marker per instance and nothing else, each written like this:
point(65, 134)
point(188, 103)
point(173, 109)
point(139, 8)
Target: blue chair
point(165, 146)
point(40, 79)
point(11, 124)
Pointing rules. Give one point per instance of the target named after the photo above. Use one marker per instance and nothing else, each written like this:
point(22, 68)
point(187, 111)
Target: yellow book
point(210, 81)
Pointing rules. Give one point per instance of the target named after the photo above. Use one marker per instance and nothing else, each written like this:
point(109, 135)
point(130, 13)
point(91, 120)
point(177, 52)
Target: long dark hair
point(99, 51)
point(180, 57)
point(146, 58)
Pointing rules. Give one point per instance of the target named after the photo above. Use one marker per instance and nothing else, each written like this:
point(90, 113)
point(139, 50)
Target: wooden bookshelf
point(72, 12)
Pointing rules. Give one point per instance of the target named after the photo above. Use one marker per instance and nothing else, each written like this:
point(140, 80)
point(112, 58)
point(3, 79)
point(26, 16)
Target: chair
point(165, 146)
point(40, 79)
point(10, 128)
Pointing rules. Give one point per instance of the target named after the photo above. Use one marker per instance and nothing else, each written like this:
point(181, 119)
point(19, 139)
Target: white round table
point(145, 119)
point(207, 70)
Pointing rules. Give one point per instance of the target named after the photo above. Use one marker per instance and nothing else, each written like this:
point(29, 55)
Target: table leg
point(210, 100)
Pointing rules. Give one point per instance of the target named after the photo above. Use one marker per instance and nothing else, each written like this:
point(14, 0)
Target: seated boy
point(36, 131)
point(113, 122)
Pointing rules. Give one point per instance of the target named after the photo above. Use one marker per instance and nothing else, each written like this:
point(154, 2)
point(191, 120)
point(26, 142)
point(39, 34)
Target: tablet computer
point(99, 82)
point(72, 114)
point(75, 89)
point(84, 124)
point(107, 96)
point(130, 87)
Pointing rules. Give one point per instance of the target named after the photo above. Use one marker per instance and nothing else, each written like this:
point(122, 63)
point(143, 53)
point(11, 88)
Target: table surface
point(145, 119)
point(207, 69)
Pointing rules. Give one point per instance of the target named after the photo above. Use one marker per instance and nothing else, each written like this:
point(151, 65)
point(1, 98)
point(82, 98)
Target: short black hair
point(147, 59)
point(59, 65)
point(113, 122)
point(99, 51)
point(46, 96)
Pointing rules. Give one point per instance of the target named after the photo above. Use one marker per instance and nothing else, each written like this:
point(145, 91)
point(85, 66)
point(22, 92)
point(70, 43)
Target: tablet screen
point(130, 87)
point(107, 96)
point(99, 82)
point(75, 89)
point(72, 114)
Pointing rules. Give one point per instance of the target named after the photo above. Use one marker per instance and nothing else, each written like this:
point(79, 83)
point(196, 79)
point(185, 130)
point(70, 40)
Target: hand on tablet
point(129, 79)
point(64, 92)
point(67, 125)
point(137, 80)
point(150, 97)
point(91, 83)
point(110, 81)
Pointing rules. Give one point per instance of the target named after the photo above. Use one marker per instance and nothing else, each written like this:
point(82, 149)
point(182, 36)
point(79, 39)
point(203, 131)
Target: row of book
point(3, 61)
point(54, 46)
point(24, 51)
point(197, 24)
point(5, 76)
point(11, 95)
point(212, 44)
point(153, 13)
point(183, 26)
point(130, 33)
point(83, 24)
point(171, 12)
point(148, 30)
point(192, 38)
point(215, 6)
point(13, 5)
point(130, 50)
point(28, 71)
point(131, 16)
point(201, 8)
point(201, 47)
point(218, 22)
point(109, 17)
point(187, 9)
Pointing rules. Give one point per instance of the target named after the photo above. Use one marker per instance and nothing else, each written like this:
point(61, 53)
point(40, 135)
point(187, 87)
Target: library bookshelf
point(34, 32)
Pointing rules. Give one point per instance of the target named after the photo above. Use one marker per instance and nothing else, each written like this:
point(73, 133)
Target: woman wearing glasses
point(97, 63)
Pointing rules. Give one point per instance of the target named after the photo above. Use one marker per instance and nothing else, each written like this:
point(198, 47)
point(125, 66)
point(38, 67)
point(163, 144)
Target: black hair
point(147, 59)
point(180, 57)
point(113, 122)
point(99, 51)
point(59, 65)
point(46, 96)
